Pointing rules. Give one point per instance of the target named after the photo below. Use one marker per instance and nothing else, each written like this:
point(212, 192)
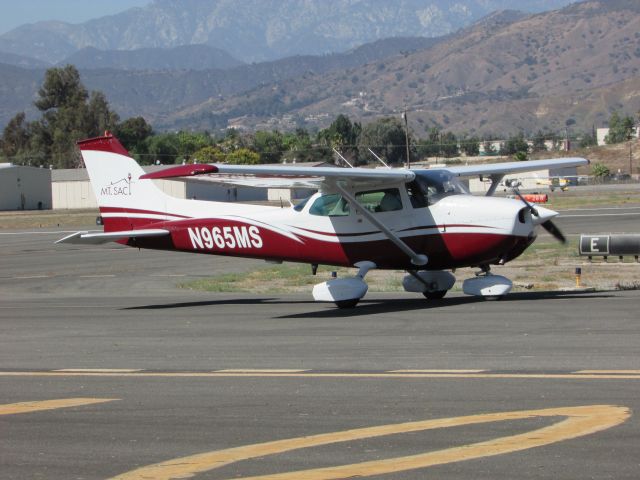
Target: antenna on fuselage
point(378, 158)
point(343, 159)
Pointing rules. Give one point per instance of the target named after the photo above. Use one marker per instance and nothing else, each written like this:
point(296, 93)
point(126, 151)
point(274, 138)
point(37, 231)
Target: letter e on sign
point(594, 244)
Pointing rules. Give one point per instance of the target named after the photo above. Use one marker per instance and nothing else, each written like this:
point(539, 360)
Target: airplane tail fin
point(125, 201)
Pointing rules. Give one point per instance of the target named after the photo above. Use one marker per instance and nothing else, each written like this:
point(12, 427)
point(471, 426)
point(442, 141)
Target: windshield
point(438, 184)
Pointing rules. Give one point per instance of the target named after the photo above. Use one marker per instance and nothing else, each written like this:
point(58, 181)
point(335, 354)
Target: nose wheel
point(436, 295)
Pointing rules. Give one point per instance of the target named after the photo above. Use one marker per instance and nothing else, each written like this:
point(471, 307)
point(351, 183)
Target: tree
point(620, 128)
point(69, 113)
point(600, 171)
point(589, 139)
point(387, 138)
point(299, 147)
point(269, 145)
point(61, 88)
point(132, 133)
point(190, 142)
point(163, 148)
point(343, 135)
point(539, 142)
point(243, 156)
point(449, 144)
point(470, 145)
point(99, 117)
point(430, 147)
point(515, 144)
point(208, 154)
point(15, 138)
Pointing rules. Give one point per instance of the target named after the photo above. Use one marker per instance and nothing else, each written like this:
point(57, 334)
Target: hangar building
point(24, 188)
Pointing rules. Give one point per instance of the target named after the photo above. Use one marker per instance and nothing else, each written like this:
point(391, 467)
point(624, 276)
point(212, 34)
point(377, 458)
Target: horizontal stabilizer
point(96, 238)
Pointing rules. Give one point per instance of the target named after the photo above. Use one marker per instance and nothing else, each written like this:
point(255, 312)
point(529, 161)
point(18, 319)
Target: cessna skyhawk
point(422, 221)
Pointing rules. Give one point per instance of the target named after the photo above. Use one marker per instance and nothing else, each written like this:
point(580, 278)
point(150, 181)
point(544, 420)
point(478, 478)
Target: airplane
point(422, 221)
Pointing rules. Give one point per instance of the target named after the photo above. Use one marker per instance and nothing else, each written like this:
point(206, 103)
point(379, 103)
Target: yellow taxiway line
point(579, 421)
point(29, 407)
point(311, 374)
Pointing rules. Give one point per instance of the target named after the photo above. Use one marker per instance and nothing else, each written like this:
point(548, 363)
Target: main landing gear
point(433, 284)
point(344, 292)
point(487, 285)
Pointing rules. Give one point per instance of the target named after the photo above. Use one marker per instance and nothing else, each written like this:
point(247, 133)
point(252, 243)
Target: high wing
point(285, 176)
point(516, 167)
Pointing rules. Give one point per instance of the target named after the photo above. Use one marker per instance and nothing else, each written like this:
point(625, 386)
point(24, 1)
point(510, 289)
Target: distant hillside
point(508, 72)
point(159, 94)
point(21, 61)
point(17, 91)
point(257, 30)
point(185, 57)
point(573, 65)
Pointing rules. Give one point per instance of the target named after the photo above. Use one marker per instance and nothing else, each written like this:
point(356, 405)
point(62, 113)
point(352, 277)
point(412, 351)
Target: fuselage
point(453, 229)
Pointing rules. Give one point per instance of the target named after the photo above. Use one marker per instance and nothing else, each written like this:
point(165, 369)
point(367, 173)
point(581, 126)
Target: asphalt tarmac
point(107, 370)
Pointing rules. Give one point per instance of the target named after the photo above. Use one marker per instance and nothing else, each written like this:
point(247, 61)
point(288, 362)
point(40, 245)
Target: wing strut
point(496, 178)
point(416, 258)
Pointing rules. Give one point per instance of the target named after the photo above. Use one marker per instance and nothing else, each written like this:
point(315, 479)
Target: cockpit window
point(331, 205)
point(300, 206)
point(387, 200)
point(439, 184)
point(416, 195)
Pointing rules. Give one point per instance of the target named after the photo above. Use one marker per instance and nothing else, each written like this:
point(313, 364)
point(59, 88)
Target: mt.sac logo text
point(118, 188)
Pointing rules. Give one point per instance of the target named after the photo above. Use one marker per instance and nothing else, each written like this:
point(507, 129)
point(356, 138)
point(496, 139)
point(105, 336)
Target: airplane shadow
point(212, 303)
point(382, 306)
point(373, 306)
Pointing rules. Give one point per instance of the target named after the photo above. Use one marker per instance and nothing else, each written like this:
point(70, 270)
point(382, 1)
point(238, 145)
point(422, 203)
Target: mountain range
point(508, 71)
point(256, 30)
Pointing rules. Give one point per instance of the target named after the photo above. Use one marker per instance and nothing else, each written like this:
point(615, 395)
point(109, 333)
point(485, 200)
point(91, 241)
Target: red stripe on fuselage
point(236, 238)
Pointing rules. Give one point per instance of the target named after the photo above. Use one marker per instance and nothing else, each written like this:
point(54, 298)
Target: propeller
point(551, 227)
point(548, 225)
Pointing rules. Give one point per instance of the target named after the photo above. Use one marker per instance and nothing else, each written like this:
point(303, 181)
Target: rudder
point(125, 201)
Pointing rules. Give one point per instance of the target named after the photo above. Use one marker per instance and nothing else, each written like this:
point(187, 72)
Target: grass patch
point(48, 219)
point(288, 277)
point(562, 201)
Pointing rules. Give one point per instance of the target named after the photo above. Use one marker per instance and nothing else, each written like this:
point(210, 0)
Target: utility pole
point(406, 135)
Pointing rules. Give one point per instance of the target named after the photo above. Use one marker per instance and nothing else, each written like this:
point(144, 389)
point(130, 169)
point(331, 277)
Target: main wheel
point(493, 298)
point(347, 303)
point(437, 295)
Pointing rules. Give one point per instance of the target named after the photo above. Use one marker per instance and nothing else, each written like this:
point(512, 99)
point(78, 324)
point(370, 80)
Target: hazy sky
point(14, 13)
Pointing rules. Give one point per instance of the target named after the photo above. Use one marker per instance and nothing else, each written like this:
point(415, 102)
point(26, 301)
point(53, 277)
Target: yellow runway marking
point(580, 421)
point(28, 407)
point(260, 370)
point(311, 374)
point(99, 370)
point(435, 371)
point(609, 372)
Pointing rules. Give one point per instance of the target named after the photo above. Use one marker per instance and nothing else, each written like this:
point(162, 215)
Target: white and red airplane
point(421, 221)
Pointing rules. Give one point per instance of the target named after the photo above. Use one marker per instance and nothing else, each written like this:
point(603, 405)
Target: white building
point(24, 188)
point(601, 134)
